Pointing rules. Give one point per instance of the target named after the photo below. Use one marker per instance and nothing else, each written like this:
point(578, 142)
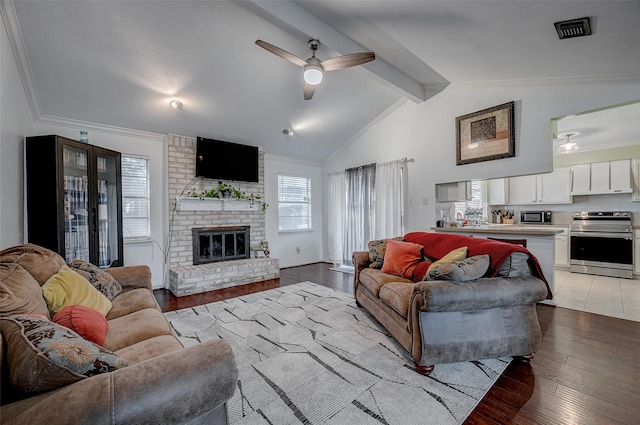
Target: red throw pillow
point(401, 258)
point(87, 322)
point(421, 270)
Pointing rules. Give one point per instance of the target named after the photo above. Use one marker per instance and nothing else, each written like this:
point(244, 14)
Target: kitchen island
point(540, 241)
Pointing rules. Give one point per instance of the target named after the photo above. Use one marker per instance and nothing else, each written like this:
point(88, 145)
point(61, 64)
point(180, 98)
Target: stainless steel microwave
point(536, 217)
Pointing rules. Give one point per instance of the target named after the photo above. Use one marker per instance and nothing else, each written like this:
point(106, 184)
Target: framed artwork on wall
point(486, 135)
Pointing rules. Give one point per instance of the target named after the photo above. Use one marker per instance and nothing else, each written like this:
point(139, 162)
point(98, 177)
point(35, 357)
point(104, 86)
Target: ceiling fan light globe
point(313, 75)
point(568, 147)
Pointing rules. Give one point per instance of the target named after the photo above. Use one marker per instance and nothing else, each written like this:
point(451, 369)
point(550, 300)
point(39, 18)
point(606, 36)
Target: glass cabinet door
point(108, 208)
point(76, 203)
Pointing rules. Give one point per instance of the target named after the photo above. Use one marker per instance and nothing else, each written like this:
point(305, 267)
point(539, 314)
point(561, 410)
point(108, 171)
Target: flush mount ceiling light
point(175, 104)
point(573, 28)
point(568, 146)
point(287, 132)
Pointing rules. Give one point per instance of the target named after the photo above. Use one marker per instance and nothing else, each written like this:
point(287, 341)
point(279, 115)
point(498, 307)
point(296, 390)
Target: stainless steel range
point(602, 243)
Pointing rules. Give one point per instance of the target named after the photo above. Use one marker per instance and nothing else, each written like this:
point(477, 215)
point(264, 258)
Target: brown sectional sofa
point(164, 383)
point(442, 321)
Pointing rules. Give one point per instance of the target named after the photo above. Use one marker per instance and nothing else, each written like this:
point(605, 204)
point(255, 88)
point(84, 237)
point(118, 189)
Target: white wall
point(16, 120)
point(283, 245)
point(426, 132)
point(137, 143)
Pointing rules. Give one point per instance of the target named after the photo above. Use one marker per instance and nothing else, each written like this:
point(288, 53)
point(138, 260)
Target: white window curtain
point(360, 208)
point(336, 217)
point(388, 197)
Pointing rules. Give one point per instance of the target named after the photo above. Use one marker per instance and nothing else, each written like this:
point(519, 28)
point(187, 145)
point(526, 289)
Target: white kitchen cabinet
point(523, 190)
point(562, 249)
point(497, 192)
point(635, 171)
point(581, 183)
point(549, 188)
point(555, 187)
point(600, 178)
point(620, 175)
point(453, 192)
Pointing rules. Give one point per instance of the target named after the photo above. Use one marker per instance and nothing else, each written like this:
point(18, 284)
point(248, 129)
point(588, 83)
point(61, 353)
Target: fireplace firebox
point(212, 244)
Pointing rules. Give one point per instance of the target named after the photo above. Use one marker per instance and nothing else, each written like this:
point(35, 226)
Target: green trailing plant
point(225, 191)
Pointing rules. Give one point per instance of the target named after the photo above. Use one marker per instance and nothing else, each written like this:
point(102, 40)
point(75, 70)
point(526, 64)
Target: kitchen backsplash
point(562, 212)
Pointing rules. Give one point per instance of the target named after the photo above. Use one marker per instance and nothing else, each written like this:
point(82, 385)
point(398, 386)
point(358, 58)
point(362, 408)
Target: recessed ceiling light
point(288, 132)
point(175, 104)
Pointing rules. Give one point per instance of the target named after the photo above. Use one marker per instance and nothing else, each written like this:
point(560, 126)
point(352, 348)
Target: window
point(135, 196)
point(294, 202)
point(478, 201)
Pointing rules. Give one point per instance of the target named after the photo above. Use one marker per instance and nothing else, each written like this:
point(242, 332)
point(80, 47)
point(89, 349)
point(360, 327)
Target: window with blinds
point(294, 203)
point(135, 197)
point(478, 198)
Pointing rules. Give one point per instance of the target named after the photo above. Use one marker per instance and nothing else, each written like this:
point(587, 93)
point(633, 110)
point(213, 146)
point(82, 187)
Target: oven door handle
point(601, 235)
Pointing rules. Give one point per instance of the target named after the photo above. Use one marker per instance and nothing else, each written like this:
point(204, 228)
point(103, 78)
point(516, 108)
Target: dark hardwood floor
point(586, 371)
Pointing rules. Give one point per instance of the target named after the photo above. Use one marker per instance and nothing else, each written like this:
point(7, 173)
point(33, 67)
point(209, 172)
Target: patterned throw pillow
point(43, 355)
point(100, 279)
point(377, 249)
point(460, 271)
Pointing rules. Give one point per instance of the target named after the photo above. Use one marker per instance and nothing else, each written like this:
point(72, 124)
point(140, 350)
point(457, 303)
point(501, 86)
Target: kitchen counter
point(511, 229)
point(541, 241)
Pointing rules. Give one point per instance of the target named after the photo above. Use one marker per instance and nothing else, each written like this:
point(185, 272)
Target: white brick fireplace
point(185, 278)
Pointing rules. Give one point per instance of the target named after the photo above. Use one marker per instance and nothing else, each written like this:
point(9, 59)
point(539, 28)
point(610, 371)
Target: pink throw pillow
point(401, 258)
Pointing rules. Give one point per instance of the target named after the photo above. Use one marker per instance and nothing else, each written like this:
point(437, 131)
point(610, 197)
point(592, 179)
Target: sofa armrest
point(360, 261)
point(173, 388)
point(479, 294)
point(132, 277)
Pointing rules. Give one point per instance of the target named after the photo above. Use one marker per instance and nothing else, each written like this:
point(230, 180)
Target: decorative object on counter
point(265, 248)
point(256, 249)
point(84, 136)
point(486, 135)
point(504, 216)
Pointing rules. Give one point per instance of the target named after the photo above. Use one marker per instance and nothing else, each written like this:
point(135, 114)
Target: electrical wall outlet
point(298, 250)
point(425, 201)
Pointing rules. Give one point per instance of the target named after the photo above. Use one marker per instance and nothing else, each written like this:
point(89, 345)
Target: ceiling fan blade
point(347, 61)
point(282, 53)
point(309, 90)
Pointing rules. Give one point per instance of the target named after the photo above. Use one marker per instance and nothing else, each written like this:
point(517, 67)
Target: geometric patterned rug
point(308, 355)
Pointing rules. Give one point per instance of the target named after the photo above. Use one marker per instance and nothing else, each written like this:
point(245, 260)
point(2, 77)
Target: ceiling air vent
point(573, 28)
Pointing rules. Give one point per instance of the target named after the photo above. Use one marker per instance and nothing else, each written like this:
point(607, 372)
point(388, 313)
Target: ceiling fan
point(314, 68)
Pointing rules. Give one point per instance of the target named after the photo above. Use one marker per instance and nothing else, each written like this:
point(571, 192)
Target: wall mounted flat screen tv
point(216, 159)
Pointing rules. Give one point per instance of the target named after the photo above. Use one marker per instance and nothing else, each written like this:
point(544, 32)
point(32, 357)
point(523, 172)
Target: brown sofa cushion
point(43, 355)
point(135, 327)
point(40, 262)
point(373, 279)
point(460, 271)
point(131, 301)
point(19, 292)
point(397, 295)
point(150, 348)
point(101, 280)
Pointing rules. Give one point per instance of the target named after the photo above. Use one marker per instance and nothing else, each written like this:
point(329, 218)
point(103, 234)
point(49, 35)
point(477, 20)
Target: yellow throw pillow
point(69, 288)
point(457, 254)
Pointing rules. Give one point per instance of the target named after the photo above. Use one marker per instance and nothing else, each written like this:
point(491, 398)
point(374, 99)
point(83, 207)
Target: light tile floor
point(608, 296)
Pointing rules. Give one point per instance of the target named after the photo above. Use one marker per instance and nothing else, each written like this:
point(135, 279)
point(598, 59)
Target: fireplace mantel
point(215, 204)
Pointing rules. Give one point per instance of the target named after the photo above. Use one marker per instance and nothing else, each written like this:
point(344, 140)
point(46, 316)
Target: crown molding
point(542, 82)
point(103, 128)
point(14, 33)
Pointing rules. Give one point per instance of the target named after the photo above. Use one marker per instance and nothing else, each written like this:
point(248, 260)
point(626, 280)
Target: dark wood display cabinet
point(74, 199)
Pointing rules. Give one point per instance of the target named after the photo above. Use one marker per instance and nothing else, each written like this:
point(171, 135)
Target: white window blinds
point(135, 196)
point(294, 202)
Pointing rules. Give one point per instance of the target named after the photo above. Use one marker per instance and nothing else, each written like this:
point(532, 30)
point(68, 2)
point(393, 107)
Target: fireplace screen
point(212, 244)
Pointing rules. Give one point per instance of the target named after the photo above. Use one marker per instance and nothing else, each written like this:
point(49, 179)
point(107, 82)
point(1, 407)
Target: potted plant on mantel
point(225, 191)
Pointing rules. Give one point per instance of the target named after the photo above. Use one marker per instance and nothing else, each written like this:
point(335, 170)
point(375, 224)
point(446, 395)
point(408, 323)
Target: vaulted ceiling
point(120, 63)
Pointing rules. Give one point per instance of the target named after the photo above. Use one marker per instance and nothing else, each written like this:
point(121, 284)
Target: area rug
point(308, 355)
